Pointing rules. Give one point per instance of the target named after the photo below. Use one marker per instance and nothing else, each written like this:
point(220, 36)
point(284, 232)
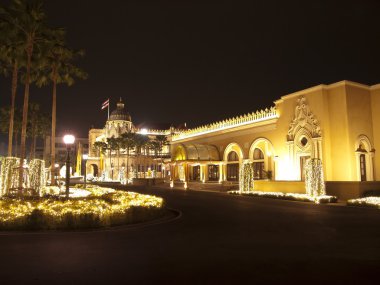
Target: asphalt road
point(219, 239)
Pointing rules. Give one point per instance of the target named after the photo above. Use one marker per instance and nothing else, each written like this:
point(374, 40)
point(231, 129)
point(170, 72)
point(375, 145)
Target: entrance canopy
point(196, 152)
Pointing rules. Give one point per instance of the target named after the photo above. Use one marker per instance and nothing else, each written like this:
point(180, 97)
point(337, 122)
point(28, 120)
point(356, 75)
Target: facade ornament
point(304, 119)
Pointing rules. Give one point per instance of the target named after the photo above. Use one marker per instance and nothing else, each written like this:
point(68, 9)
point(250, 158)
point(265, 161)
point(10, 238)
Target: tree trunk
point(53, 127)
point(16, 144)
point(118, 164)
point(12, 115)
point(127, 163)
point(29, 52)
point(33, 142)
point(111, 167)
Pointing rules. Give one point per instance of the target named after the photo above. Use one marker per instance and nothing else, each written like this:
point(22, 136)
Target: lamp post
point(68, 140)
point(56, 167)
point(85, 157)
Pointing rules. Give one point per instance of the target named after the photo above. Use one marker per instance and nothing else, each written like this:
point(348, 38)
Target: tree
point(11, 58)
point(28, 18)
point(128, 143)
point(112, 145)
point(56, 67)
point(38, 126)
point(4, 124)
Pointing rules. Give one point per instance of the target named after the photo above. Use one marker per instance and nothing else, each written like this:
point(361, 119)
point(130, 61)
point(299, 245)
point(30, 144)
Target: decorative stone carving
point(304, 119)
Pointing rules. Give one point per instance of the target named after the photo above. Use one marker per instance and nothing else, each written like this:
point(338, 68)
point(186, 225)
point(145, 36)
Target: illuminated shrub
point(102, 207)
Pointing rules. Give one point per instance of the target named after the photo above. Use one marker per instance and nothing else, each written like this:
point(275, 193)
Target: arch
point(232, 166)
point(264, 166)
point(233, 147)
point(196, 152)
point(95, 170)
point(180, 153)
point(264, 145)
point(364, 154)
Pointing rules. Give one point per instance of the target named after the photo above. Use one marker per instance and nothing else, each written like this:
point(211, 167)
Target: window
point(363, 173)
point(233, 172)
point(196, 173)
point(258, 164)
point(258, 154)
point(232, 156)
point(213, 172)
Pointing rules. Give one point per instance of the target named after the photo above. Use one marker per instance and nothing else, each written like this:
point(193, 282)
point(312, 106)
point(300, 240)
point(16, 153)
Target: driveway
point(219, 239)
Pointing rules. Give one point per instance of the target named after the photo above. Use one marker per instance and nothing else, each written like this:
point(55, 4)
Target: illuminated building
point(119, 165)
point(337, 123)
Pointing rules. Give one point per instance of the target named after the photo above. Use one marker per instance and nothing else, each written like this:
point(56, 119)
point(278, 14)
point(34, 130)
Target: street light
point(56, 166)
point(68, 140)
point(85, 157)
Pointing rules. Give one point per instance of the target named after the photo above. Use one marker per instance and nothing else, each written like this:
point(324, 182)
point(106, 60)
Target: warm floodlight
point(144, 131)
point(68, 139)
point(85, 156)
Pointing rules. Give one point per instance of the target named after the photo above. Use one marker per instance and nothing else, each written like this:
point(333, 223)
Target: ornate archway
point(232, 159)
point(364, 154)
point(304, 138)
point(262, 154)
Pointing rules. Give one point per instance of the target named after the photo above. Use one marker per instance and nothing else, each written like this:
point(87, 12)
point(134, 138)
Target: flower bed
point(288, 196)
point(372, 202)
point(93, 207)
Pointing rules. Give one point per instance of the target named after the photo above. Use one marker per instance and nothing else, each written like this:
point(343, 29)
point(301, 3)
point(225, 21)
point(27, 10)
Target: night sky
point(198, 62)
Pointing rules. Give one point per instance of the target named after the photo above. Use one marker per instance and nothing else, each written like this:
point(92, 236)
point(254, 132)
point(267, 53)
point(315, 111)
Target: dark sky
point(198, 62)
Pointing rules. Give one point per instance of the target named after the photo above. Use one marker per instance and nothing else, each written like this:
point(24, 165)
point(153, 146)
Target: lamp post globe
point(69, 141)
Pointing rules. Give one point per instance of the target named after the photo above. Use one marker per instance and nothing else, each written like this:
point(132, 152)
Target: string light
point(246, 177)
point(103, 203)
point(287, 196)
point(367, 201)
point(8, 174)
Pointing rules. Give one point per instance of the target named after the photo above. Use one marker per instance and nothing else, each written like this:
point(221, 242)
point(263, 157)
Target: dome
point(120, 114)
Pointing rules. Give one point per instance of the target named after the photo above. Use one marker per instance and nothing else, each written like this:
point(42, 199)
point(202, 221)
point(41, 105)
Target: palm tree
point(128, 143)
point(4, 124)
point(38, 126)
point(27, 17)
point(57, 68)
point(11, 56)
point(111, 146)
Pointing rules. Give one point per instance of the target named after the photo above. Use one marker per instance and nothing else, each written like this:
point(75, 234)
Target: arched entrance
point(233, 157)
point(94, 170)
point(364, 158)
point(262, 155)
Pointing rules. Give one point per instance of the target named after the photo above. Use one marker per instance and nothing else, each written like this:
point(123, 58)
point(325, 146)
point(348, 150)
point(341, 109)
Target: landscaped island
point(86, 208)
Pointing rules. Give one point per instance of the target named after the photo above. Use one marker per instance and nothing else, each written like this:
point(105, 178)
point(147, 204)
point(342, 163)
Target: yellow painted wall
point(344, 110)
point(359, 115)
point(375, 100)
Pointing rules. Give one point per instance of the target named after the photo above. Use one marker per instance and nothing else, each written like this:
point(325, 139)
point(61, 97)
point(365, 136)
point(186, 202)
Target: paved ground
point(219, 239)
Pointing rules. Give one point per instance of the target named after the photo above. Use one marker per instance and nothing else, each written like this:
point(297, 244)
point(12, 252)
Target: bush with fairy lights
point(42, 207)
point(91, 207)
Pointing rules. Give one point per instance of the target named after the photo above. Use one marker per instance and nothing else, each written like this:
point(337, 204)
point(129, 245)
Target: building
point(337, 123)
point(44, 152)
point(136, 162)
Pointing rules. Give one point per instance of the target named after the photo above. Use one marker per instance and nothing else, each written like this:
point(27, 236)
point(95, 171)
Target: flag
point(106, 104)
